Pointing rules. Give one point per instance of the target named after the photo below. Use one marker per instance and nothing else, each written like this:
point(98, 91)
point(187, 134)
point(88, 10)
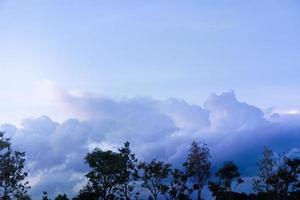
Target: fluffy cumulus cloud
point(161, 129)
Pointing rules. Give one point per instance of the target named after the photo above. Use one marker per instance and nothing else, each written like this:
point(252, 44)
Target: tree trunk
point(199, 192)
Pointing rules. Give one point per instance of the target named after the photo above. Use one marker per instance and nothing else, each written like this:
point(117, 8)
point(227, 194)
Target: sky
point(91, 72)
point(162, 49)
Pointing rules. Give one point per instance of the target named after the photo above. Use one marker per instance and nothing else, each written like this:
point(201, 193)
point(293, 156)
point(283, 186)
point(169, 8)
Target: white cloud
point(228, 114)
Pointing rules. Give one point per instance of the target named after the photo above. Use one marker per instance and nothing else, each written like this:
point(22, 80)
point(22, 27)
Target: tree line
point(120, 176)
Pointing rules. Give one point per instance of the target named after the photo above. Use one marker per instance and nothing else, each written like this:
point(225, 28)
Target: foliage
point(105, 175)
point(45, 196)
point(198, 165)
point(277, 180)
point(61, 197)
point(265, 172)
point(154, 175)
point(24, 197)
point(227, 175)
point(12, 175)
point(86, 194)
point(178, 188)
point(128, 174)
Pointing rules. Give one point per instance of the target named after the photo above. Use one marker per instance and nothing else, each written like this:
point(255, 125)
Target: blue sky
point(161, 49)
point(91, 73)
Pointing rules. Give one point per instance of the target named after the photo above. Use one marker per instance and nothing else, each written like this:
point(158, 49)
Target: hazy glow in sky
point(185, 49)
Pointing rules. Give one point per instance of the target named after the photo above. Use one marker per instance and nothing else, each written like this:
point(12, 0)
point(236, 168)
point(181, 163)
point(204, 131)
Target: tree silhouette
point(277, 179)
point(61, 197)
point(24, 197)
point(291, 178)
point(284, 180)
point(12, 175)
point(128, 173)
point(114, 176)
point(265, 172)
point(104, 177)
point(178, 186)
point(86, 194)
point(227, 175)
point(45, 196)
point(198, 166)
point(154, 175)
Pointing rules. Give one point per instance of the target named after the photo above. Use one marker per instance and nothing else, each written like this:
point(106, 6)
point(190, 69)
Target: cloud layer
point(161, 129)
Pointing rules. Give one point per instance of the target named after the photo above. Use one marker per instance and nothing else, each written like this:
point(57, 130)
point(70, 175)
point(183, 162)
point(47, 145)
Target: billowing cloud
point(161, 129)
point(228, 114)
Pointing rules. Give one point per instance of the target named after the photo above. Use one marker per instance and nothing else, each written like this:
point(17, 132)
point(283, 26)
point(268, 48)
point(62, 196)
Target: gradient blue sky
point(184, 49)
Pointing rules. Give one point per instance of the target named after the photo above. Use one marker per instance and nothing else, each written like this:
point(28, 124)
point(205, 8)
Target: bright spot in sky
point(293, 112)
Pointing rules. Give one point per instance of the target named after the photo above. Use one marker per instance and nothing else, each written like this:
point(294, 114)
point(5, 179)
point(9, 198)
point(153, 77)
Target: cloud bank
point(161, 129)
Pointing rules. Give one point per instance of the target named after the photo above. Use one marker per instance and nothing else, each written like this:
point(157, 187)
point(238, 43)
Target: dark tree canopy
point(24, 197)
point(86, 194)
point(45, 196)
point(277, 179)
point(198, 165)
point(265, 171)
point(12, 174)
point(178, 186)
point(153, 177)
point(105, 175)
point(128, 174)
point(227, 175)
point(61, 197)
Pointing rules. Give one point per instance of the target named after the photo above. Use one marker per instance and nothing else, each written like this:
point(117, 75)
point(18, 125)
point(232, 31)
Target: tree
point(284, 180)
point(86, 194)
point(12, 174)
point(128, 174)
point(24, 197)
point(198, 166)
point(61, 197)
point(45, 196)
point(154, 175)
point(277, 179)
point(104, 177)
point(292, 178)
point(178, 188)
point(227, 175)
point(265, 172)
